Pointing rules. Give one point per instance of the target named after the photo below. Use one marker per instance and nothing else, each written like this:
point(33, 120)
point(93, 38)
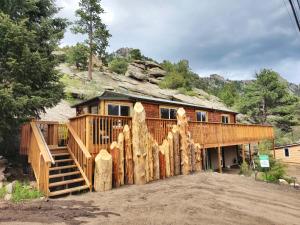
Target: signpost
point(264, 163)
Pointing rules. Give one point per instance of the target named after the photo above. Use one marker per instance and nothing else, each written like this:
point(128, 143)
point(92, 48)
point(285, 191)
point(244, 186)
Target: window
point(286, 152)
point(94, 109)
point(168, 113)
point(225, 119)
point(118, 110)
point(201, 116)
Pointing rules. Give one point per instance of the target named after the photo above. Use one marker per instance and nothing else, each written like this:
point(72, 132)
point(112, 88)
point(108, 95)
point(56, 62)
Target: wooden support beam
point(243, 152)
point(219, 159)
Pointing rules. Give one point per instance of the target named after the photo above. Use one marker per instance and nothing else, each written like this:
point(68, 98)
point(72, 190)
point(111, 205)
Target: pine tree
point(90, 23)
point(267, 99)
point(29, 83)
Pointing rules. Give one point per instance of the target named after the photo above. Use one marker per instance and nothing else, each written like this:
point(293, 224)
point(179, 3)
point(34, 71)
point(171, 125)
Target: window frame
point(169, 108)
point(119, 104)
point(206, 116)
point(225, 115)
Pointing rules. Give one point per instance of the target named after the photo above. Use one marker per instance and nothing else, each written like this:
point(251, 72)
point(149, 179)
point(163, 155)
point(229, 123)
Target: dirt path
point(205, 198)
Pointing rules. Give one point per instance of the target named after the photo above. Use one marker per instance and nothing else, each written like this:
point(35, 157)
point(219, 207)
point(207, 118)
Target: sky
point(232, 38)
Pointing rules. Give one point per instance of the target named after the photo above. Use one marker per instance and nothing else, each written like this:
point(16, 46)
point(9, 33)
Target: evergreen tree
point(90, 23)
point(269, 100)
point(29, 33)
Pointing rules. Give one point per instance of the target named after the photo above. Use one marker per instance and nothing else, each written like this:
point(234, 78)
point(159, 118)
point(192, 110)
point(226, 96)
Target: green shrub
point(2, 192)
point(78, 55)
point(245, 169)
point(23, 192)
point(135, 54)
point(118, 65)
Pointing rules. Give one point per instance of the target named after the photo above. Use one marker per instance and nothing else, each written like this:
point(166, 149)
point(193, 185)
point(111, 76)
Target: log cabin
point(62, 155)
point(288, 153)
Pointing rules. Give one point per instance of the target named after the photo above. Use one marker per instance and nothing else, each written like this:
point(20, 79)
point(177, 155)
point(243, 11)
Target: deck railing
point(214, 134)
point(39, 157)
point(98, 132)
point(159, 128)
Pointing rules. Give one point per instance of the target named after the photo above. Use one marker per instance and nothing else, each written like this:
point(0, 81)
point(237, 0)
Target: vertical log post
point(193, 156)
point(182, 122)
point(198, 163)
point(243, 153)
point(155, 151)
point(171, 152)
point(115, 153)
point(220, 159)
point(121, 159)
point(103, 171)
point(176, 146)
point(128, 156)
point(150, 157)
point(162, 162)
point(139, 130)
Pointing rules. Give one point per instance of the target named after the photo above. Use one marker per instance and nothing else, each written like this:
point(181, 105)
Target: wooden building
point(288, 153)
point(62, 155)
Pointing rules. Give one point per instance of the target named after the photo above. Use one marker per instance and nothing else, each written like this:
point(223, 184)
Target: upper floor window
point(286, 152)
point(94, 109)
point(118, 110)
point(201, 116)
point(168, 113)
point(225, 119)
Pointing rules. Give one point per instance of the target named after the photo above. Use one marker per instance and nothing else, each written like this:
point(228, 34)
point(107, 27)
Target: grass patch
point(23, 191)
point(245, 169)
point(2, 192)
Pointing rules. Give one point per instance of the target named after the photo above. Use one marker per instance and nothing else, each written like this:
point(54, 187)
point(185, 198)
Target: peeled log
point(165, 148)
point(171, 153)
point(128, 156)
point(198, 164)
point(139, 133)
point(156, 171)
point(182, 123)
point(176, 147)
point(115, 153)
point(103, 171)
point(150, 157)
point(162, 163)
point(121, 159)
point(193, 156)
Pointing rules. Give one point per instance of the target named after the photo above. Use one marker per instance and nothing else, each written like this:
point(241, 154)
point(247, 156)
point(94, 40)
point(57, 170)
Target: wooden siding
point(294, 154)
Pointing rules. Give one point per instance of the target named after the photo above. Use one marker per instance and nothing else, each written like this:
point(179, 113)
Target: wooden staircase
point(64, 175)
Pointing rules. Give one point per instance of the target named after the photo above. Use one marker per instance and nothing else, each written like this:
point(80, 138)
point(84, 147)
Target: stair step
point(64, 174)
point(63, 160)
point(55, 147)
point(62, 167)
point(66, 182)
point(61, 154)
point(69, 190)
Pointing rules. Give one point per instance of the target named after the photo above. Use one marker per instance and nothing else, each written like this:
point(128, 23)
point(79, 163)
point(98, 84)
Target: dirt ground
point(203, 198)
point(293, 170)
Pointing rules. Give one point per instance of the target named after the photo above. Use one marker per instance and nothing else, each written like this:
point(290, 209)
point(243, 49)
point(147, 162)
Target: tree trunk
point(139, 133)
point(150, 157)
point(156, 171)
point(166, 150)
point(115, 153)
point(103, 171)
point(128, 156)
point(121, 161)
point(171, 153)
point(176, 146)
point(90, 75)
point(184, 141)
point(193, 156)
point(198, 158)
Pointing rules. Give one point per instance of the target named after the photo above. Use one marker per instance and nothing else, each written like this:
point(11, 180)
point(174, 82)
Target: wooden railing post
point(88, 135)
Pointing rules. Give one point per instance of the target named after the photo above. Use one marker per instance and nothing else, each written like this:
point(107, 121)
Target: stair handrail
point(86, 169)
point(45, 151)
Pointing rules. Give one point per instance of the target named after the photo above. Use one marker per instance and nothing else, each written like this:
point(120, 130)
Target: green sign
point(264, 161)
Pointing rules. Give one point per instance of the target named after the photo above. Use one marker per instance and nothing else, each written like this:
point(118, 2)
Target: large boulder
point(283, 181)
point(156, 72)
point(136, 73)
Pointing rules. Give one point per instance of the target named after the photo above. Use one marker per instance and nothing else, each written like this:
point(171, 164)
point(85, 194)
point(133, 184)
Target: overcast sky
point(233, 38)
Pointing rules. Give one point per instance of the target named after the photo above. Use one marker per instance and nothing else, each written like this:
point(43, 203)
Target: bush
point(245, 169)
point(118, 65)
point(135, 54)
point(2, 192)
point(78, 55)
point(23, 191)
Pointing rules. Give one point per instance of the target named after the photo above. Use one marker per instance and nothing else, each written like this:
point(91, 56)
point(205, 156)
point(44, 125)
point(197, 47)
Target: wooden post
point(115, 153)
point(171, 152)
point(176, 146)
point(204, 158)
point(88, 133)
point(243, 152)
point(162, 162)
point(193, 156)
point(219, 159)
point(121, 160)
point(198, 160)
point(182, 122)
point(166, 150)
point(155, 150)
point(139, 131)
point(150, 157)
point(103, 171)
point(128, 156)
point(250, 152)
